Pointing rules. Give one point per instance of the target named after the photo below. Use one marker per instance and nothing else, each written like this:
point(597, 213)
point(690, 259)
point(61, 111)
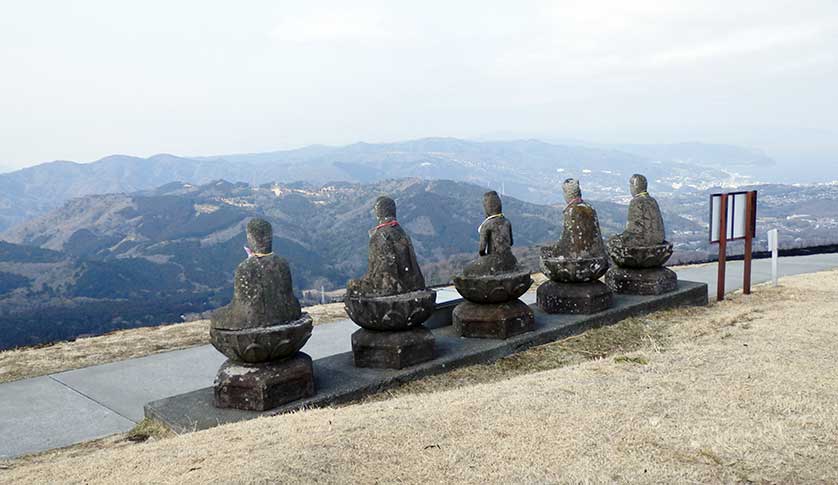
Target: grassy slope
point(741, 391)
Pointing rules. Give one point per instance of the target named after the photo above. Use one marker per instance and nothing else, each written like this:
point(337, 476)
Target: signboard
point(736, 218)
point(733, 216)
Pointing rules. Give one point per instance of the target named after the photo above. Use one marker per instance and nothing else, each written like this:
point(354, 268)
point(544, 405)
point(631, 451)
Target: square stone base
point(259, 387)
point(576, 298)
point(648, 281)
point(493, 320)
point(392, 350)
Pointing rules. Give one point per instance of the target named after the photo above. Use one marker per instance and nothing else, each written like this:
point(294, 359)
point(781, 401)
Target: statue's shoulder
point(495, 223)
point(581, 209)
point(503, 222)
point(273, 261)
point(259, 264)
point(645, 201)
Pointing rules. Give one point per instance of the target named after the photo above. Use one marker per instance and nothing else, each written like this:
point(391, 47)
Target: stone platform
point(493, 320)
point(337, 380)
point(587, 298)
point(647, 281)
point(265, 386)
point(392, 350)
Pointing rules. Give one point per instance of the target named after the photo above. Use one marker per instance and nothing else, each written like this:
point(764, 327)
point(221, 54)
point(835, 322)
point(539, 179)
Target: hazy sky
point(84, 79)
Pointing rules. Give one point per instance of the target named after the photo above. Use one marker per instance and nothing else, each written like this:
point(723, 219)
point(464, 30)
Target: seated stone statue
point(641, 250)
point(644, 226)
point(392, 267)
point(262, 290)
point(390, 302)
point(495, 241)
point(261, 332)
point(576, 262)
point(579, 255)
point(492, 283)
point(643, 243)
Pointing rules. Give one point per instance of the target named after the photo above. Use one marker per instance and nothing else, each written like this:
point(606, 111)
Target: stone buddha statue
point(392, 268)
point(261, 332)
point(644, 226)
point(581, 240)
point(641, 250)
point(492, 283)
point(262, 289)
point(495, 253)
point(390, 302)
point(576, 261)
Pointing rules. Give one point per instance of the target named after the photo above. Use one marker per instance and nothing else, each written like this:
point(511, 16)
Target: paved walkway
point(71, 407)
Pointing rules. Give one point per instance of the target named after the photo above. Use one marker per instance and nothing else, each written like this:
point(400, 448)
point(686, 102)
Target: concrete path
point(84, 404)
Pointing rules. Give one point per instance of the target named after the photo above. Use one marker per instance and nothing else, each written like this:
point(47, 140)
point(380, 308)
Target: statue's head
point(384, 209)
point(571, 190)
point(638, 184)
point(260, 236)
point(491, 203)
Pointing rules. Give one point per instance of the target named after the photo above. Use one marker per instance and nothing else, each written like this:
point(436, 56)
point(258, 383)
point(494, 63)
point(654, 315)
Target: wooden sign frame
point(728, 226)
point(731, 222)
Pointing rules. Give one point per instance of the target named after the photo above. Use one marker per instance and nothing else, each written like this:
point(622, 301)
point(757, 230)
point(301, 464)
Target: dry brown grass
point(744, 391)
point(121, 345)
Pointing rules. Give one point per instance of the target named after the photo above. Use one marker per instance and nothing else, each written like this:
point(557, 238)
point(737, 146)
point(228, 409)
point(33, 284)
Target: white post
point(322, 295)
point(774, 246)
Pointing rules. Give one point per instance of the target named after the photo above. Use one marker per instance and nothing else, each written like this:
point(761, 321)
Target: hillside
point(105, 262)
point(728, 393)
point(114, 261)
point(527, 169)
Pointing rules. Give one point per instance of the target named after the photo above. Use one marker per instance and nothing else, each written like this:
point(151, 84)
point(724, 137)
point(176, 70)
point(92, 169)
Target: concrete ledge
point(338, 381)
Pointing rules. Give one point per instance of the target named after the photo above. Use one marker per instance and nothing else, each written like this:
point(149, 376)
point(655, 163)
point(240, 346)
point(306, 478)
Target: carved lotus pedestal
point(392, 335)
point(640, 269)
point(265, 368)
point(492, 309)
point(574, 285)
point(571, 270)
point(638, 257)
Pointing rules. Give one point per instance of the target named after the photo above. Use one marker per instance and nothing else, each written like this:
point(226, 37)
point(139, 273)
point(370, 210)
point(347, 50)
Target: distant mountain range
point(125, 242)
point(530, 170)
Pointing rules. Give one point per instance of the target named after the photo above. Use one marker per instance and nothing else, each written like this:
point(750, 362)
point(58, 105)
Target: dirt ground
point(124, 344)
point(745, 391)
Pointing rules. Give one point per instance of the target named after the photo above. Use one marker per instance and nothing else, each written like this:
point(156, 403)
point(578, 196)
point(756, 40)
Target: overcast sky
point(83, 79)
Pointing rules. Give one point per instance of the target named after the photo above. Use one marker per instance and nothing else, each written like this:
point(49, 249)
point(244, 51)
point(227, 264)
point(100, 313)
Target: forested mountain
point(110, 261)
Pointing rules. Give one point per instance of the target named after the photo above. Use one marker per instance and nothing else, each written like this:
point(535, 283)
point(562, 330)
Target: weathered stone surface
point(395, 312)
point(392, 267)
point(579, 255)
point(496, 288)
point(638, 256)
point(643, 243)
point(495, 276)
point(265, 386)
point(392, 350)
point(559, 268)
point(262, 289)
point(263, 344)
point(651, 281)
point(644, 225)
point(493, 283)
point(576, 298)
point(261, 331)
point(499, 321)
point(495, 252)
